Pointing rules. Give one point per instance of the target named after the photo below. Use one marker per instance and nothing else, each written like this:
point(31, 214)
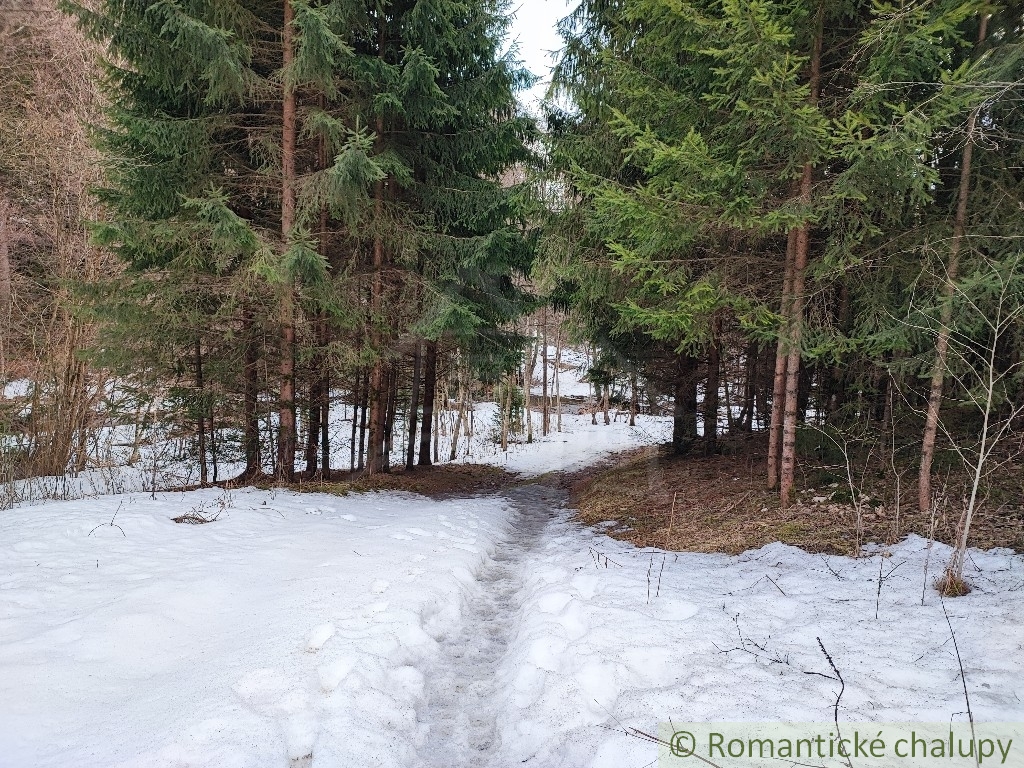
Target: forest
point(357, 410)
point(255, 229)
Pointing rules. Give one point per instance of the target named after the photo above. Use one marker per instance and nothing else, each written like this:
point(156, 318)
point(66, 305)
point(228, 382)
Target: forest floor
point(483, 628)
point(719, 503)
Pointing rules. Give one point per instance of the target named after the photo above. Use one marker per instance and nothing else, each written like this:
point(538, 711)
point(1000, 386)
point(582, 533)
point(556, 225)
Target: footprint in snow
point(319, 636)
point(379, 587)
point(418, 532)
point(333, 673)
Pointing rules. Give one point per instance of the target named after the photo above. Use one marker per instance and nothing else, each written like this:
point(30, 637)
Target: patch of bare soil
point(720, 504)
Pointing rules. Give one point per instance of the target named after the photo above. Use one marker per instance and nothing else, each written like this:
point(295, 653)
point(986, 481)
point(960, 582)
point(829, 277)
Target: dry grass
point(720, 504)
point(435, 481)
point(951, 585)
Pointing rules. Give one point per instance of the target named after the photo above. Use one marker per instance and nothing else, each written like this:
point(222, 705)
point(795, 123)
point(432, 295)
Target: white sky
point(533, 30)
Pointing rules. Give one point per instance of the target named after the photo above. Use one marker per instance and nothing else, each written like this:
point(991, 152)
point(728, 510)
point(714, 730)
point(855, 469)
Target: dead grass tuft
point(951, 585)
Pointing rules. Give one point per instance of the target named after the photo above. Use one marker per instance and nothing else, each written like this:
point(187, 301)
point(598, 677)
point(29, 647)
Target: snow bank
point(293, 625)
point(612, 636)
point(578, 445)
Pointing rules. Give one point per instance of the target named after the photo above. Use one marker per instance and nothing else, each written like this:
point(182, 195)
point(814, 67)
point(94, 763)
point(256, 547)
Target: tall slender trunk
point(459, 421)
point(204, 478)
point(632, 398)
point(389, 419)
point(429, 389)
point(414, 408)
point(781, 361)
point(325, 420)
point(313, 429)
point(545, 422)
point(286, 438)
point(250, 401)
point(356, 400)
point(800, 255)
point(558, 378)
point(321, 405)
point(528, 365)
point(6, 290)
point(931, 423)
point(746, 420)
point(363, 405)
point(711, 390)
point(506, 406)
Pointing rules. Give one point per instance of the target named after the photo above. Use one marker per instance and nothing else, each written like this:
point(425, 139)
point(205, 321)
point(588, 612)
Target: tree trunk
point(931, 423)
point(632, 399)
point(684, 412)
point(356, 400)
point(800, 254)
point(325, 424)
point(429, 389)
point(506, 406)
point(250, 402)
point(459, 421)
point(364, 404)
point(749, 388)
point(545, 422)
point(286, 439)
point(6, 290)
point(558, 378)
point(414, 407)
point(389, 421)
point(529, 364)
point(711, 391)
point(781, 361)
point(313, 420)
point(204, 479)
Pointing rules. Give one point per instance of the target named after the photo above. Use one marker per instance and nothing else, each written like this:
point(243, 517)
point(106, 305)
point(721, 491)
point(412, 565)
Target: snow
point(17, 388)
point(387, 629)
point(292, 621)
point(613, 637)
point(578, 444)
point(574, 366)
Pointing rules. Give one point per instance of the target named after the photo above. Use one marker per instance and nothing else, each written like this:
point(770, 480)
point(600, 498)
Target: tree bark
point(545, 422)
point(250, 402)
point(286, 438)
point(528, 366)
point(204, 479)
point(356, 400)
point(389, 421)
point(781, 362)
point(313, 430)
point(931, 423)
point(711, 391)
point(800, 255)
point(684, 411)
point(558, 378)
point(429, 389)
point(363, 407)
point(414, 407)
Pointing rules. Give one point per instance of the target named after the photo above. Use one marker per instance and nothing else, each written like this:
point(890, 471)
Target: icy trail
point(460, 710)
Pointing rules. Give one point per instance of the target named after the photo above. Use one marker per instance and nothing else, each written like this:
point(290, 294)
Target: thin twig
point(963, 677)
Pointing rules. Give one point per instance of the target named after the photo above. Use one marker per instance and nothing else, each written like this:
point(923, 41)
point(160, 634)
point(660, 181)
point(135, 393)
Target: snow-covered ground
point(387, 629)
point(610, 638)
point(293, 622)
point(578, 444)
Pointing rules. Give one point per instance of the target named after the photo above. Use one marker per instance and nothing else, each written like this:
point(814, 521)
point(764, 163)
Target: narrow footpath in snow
point(461, 694)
